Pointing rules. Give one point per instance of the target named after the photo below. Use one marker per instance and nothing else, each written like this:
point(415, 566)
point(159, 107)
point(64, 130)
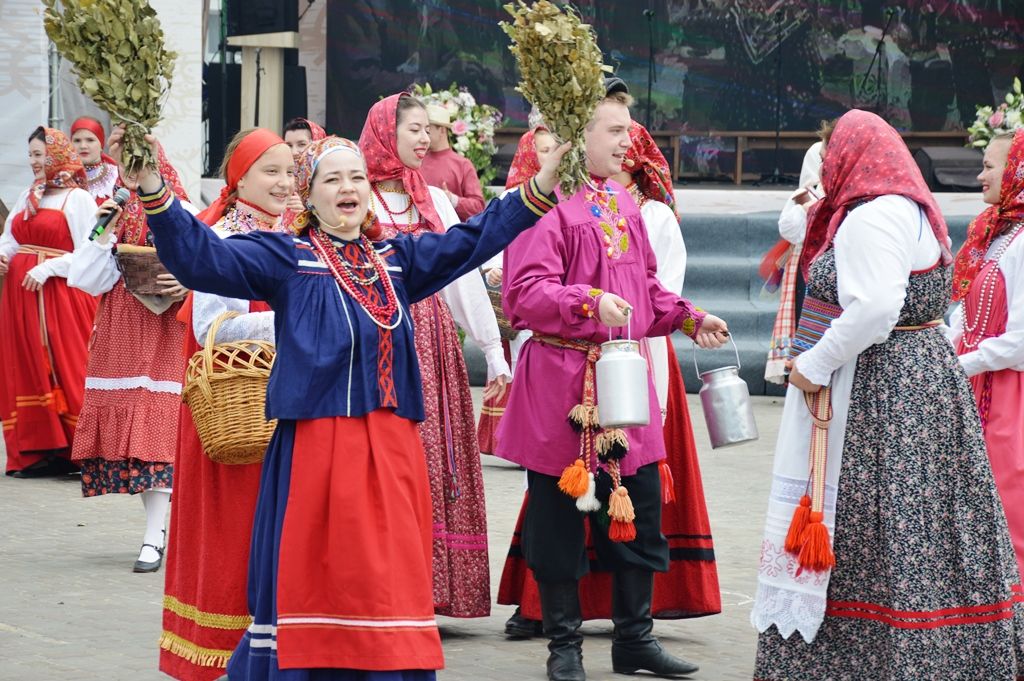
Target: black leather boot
point(634, 647)
point(560, 606)
point(517, 626)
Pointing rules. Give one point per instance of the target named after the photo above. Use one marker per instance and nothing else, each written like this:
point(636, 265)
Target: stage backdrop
point(716, 64)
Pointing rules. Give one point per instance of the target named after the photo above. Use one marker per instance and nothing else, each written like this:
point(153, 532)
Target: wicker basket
point(504, 325)
point(140, 266)
point(226, 388)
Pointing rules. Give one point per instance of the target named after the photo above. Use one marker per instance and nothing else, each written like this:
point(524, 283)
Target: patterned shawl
point(866, 158)
point(62, 167)
point(993, 221)
point(379, 144)
point(648, 166)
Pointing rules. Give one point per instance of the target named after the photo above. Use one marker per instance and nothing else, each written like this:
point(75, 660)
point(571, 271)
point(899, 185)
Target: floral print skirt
point(124, 476)
point(926, 584)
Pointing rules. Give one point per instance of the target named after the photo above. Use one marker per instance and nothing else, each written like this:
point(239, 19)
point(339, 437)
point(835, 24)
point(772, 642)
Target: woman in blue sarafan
point(339, 571)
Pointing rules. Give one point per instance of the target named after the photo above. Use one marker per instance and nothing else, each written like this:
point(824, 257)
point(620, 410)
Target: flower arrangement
point(472, 128)
point(1006, 117)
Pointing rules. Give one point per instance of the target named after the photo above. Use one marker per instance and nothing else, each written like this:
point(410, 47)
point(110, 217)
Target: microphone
point(121, 196)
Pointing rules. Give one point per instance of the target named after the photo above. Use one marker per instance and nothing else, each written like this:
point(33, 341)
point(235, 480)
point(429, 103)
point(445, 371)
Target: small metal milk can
point(725, 399)
point(622, 383)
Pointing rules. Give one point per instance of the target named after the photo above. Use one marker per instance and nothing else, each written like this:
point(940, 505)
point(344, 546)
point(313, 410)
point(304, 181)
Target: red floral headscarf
point(379, 144)
point(993, 221)
point(248, 151)
point(866, 158)
point(648, 166)
point(316, 132)
point(62, 167)
point(525, 163)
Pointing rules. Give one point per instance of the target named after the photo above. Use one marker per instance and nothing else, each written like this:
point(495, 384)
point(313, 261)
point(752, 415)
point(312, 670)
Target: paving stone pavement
point(71, 609)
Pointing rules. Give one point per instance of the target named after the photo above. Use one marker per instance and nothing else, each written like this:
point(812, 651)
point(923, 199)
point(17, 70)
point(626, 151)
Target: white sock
point(155, 501)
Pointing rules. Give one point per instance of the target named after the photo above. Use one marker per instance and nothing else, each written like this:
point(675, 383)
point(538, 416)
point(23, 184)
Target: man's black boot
point(560, 606)
point(634, 647)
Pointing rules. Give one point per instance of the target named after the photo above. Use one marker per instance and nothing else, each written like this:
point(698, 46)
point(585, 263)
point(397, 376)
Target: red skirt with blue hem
point(340, 568)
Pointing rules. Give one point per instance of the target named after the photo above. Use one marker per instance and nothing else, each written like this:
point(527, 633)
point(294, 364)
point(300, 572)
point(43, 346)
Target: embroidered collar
point(603, 204)
point(245, 217)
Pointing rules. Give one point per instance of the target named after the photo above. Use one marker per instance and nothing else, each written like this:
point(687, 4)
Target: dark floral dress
point(926, 584)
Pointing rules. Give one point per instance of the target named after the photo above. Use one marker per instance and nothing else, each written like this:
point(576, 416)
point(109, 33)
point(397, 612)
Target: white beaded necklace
point(987, 293)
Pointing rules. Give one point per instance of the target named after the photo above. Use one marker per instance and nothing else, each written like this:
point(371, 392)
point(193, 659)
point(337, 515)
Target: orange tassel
point(816, 553)
point(801, 516)
point(621, 531)
point(60, 401)
point(620, 506)
point(668, 483)
point(574, 480)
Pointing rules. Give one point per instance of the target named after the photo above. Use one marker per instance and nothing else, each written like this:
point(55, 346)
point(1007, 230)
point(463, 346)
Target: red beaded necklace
point(394, 217)
point(381, 314)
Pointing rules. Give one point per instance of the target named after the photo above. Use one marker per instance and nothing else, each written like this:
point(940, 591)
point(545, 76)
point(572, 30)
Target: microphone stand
point(880, 105)
point(776, 177)
point(651, 76)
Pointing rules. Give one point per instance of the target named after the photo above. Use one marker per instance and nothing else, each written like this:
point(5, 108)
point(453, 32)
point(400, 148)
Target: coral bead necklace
point(380, 313)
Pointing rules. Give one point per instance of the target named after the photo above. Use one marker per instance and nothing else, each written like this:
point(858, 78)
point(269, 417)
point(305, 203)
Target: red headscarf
point(993, 221)
point(866, 158)
point(92, 125)
point(525, 163)
point(96, 128)
point(252, 146)
point(62, 167)
point(648, 166)
point(316, 133)
point(379, 144)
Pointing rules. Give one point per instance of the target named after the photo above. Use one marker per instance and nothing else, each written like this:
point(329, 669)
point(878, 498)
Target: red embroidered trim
point(976, 614)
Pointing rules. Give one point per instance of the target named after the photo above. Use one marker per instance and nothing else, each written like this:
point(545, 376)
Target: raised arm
point(431, 261)
point(470, 305)
point(248, 266)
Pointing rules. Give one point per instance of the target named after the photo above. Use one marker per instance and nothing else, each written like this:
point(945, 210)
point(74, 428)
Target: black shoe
point(634, 647)
point(519, 627)
point(152, 566)
point(40, 469)
point(51, 467)
point(560, 605)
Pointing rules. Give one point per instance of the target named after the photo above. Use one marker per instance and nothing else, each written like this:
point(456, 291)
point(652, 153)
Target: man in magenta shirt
point(587, 266)
point(448, 170)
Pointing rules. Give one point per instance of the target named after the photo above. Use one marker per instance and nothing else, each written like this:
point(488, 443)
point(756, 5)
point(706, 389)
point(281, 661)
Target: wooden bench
point(747, 140)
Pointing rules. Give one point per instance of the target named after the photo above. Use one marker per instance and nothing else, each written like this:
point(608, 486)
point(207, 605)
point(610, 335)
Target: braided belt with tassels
point(609, 444)
point(807, 538)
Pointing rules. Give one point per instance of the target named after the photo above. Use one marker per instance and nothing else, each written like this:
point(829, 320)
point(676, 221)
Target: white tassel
point(588, 502)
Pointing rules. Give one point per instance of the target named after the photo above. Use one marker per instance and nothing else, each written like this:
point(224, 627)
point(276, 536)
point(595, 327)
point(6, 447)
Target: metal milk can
point(622, 384)
point(725, 399)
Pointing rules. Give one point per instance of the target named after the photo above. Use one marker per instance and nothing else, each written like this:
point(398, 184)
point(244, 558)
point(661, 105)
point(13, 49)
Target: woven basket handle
point(208, 345)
